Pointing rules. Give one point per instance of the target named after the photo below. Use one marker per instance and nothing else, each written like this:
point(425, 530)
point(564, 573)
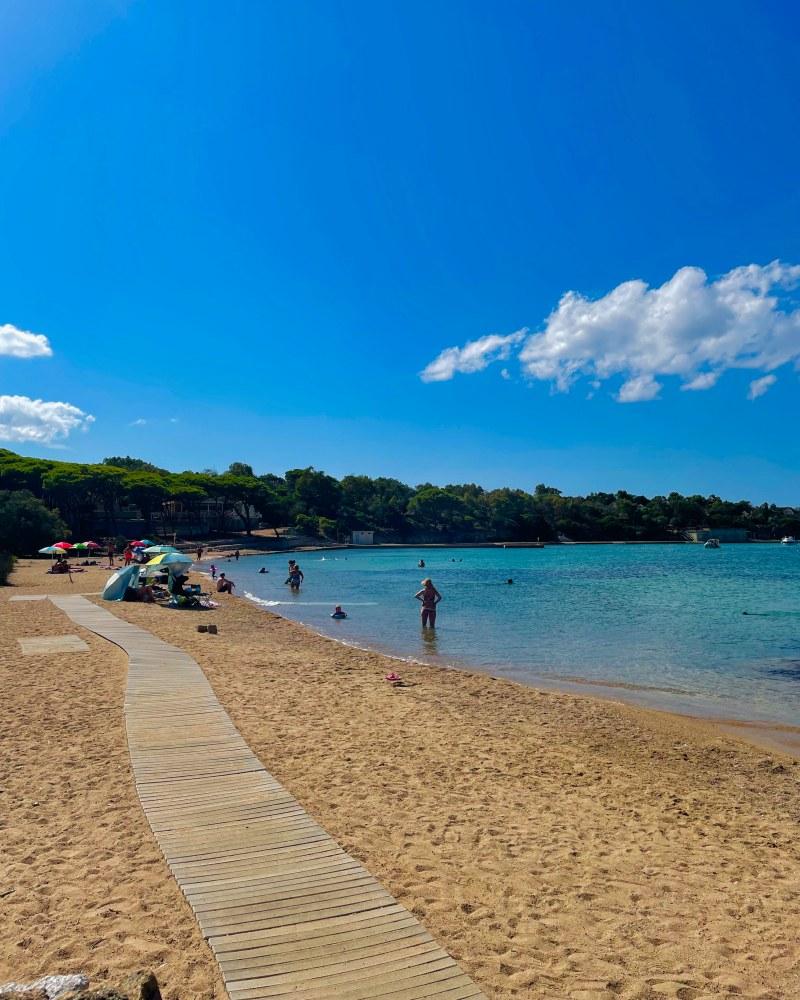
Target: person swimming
point(421, 564)
point(263, 570)
point(338, 613)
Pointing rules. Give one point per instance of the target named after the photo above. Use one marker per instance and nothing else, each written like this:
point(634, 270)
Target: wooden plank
point(286, 911)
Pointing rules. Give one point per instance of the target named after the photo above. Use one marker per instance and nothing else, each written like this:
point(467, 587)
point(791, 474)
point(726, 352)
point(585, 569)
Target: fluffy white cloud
point(26, 419)
point(760, 385)
point(472, 357)
point(689, 327)
point(638, 389)
point(16, 343)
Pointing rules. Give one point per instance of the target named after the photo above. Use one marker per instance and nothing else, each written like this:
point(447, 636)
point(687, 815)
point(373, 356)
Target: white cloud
point(137, 423)
point(690, 327)
point(760, 385)
point(638, 389)
point(704, 380)
point(25, 419)
point(505, 374)
point(16, 343)
point(474, 356)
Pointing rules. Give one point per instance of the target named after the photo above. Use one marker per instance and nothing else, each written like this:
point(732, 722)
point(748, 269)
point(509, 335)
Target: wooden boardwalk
point(286, 911)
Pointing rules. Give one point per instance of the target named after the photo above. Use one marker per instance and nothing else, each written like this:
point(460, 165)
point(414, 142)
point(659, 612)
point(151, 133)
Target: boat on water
point(712, 543)
point(788, 540)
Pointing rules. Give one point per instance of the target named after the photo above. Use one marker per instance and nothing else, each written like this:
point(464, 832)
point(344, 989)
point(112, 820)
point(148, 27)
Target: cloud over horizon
point(16, 343)
point(40, 422)
point(690, 327)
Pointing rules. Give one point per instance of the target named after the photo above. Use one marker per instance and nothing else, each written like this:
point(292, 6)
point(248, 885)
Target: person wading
point(430, 597)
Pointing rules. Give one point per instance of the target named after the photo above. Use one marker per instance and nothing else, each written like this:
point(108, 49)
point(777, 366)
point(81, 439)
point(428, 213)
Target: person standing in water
point(430, 597)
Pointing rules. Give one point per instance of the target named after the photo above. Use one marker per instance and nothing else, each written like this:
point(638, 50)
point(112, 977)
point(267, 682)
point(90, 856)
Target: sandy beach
point(557, 846)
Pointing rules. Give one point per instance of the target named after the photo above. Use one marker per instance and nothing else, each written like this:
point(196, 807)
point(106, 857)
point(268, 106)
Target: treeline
point(319, 505)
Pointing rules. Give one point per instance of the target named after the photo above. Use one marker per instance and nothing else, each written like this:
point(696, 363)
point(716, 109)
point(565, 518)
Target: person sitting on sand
point(224, 586)
point(175, 584)
point(142, 593)
point(430, 597)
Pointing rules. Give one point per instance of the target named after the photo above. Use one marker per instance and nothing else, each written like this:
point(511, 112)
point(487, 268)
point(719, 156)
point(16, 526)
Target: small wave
point(307, 604)
point(260, 600)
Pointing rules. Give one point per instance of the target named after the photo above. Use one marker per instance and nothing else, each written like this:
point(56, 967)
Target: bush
point(26, 525)
point(327, 527)
point(6, 565)
point(306, 524)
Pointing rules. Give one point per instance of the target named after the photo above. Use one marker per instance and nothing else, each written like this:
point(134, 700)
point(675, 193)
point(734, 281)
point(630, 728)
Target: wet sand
point(558, 846)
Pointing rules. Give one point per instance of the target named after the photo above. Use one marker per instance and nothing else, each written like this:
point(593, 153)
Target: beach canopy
point(119, 582)
point(156, 550)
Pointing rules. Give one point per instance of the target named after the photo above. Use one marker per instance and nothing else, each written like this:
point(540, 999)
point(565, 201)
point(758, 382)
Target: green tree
point(131, 464)
point(147, 491)
point(314, 492)
point(26, 524)
point(241, 469)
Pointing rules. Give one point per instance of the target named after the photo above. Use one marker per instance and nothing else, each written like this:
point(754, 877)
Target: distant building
point(362, 538)
point(723, 534)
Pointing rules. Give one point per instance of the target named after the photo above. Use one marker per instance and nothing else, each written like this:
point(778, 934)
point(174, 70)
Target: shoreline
point(760, 733)
point(556, 845)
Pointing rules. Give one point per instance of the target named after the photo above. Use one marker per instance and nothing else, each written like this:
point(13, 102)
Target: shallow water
point(661, 625)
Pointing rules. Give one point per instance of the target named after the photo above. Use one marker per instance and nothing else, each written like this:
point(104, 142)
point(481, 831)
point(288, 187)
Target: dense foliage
point(318, 504)
point(26, 525)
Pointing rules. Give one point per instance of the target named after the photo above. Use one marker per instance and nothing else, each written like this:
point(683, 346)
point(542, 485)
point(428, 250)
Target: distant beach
point(555, 845)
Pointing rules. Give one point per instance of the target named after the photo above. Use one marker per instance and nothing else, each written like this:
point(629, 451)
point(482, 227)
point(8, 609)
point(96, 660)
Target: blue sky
point(245, 230)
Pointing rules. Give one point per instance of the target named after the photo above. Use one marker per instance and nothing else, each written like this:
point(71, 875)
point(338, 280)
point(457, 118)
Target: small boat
point(712, 543)
point(788, 540)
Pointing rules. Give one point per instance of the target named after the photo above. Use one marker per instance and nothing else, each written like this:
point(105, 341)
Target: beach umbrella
point(80, 545)
point(119, 582)
point(62, 545)
point(146, 541)
point(156, 550)
point(170, 559)
point(91, 545)
point(51, 550)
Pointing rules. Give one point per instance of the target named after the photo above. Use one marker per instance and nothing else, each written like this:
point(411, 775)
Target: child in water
point(338, 613)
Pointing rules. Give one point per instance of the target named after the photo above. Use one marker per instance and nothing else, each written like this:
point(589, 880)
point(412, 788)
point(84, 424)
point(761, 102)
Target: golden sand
point(557, 846)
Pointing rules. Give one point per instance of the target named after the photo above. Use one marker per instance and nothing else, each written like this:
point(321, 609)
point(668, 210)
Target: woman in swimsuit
point(430, 597)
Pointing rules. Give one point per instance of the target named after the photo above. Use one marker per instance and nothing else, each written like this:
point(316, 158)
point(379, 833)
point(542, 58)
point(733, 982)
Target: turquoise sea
point(661, 625)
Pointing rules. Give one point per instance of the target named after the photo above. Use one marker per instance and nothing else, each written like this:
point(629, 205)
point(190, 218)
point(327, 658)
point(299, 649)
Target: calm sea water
point(659, 625)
